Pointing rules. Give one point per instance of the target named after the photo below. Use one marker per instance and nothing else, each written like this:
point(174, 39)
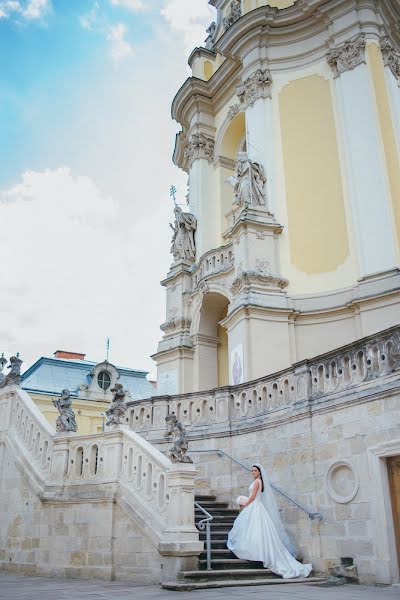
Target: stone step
point(226, 573)
point(225, 564)
point(218, 512)
point(204, 498)
point(189, 586)
point(217, 517)
point(217, 553)
point(212, 506)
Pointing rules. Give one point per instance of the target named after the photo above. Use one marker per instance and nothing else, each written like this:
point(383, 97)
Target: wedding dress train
point(258, 535)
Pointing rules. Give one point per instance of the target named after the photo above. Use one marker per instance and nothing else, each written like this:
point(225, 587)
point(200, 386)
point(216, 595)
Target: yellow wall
point(387, 129)
point(87, 412)
point(233, 136)
point(314, 194)
point(208, 70)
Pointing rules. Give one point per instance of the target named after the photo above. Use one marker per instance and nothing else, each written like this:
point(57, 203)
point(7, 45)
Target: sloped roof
point(52, 375)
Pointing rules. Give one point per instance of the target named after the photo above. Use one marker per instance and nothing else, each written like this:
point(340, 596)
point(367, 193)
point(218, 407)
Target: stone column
point(255, 98)
point(391, 60)
point(199, 156)
point(366, 169)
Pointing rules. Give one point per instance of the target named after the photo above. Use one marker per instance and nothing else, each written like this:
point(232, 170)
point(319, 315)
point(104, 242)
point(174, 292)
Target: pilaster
point(369, 195)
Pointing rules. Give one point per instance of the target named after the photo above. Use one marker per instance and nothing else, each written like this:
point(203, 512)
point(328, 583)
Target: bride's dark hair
point(262, 482)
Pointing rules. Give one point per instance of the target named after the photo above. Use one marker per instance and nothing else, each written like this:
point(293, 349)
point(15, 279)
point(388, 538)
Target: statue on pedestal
point(177, 454)
point(248, 182)
point(118, 407)
point(183, 244)
point(234, 13)
point(14, 376)
point(66, 420)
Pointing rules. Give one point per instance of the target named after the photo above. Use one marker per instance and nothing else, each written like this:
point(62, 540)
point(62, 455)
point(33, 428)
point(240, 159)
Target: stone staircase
point(227, 569)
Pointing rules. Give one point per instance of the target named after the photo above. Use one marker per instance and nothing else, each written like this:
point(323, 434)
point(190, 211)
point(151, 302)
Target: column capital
point(347, 56)
point(199, 145)
point(253, 88)
point(391, 57)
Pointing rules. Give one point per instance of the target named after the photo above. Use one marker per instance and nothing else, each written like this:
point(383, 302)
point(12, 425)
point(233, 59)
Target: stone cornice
point(347, 56)
point(195, 92)
point(174, 325)
point(391, 57)
point(251, 278)
point(200, 52)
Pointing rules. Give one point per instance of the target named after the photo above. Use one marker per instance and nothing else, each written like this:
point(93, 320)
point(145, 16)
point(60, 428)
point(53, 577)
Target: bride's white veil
point(269, 502)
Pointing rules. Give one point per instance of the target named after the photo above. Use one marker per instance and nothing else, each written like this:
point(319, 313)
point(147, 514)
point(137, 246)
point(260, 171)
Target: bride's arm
point(253, 494)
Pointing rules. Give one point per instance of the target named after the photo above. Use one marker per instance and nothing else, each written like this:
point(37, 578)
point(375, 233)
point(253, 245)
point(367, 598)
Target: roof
point(52, 375)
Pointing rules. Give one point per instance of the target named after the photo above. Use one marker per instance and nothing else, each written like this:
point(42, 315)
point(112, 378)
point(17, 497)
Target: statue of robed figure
point(183, 243)
point(248, 182)
point(66, 420)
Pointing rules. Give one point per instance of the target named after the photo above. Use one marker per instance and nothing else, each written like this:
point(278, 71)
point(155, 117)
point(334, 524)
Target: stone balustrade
point(329, 376)
point(213, 262)
point(62, 466)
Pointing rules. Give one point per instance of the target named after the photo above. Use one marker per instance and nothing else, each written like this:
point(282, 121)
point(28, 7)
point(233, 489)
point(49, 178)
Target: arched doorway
point(211, 355)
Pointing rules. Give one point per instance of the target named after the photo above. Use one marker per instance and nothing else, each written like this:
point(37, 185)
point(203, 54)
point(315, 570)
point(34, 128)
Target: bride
point(258, 533)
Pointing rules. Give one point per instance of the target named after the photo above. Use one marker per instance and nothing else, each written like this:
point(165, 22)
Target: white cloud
point(90, 19)
point(189, 19)
point(115, 33)
point(30, 9)
point(66, 271)
point(120, 48)
point(134, 5)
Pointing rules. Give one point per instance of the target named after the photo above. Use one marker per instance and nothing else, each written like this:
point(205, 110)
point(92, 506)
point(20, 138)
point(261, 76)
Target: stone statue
point(3, 362)
point(177, 454)
point(118, 406)
point(210, 39)
point(14, 376)
point(66, 420)
point(234, 13)
point(248, 182)
point(183, 244)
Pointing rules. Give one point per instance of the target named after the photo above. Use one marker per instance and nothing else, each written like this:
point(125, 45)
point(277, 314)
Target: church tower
point(290, 138)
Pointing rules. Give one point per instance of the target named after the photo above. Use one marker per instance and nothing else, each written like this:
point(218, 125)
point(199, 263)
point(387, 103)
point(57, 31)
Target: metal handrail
point(205, 524)
point(314, 516)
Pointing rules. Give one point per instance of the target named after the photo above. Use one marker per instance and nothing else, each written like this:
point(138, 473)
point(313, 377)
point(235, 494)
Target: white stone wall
point(69, 539)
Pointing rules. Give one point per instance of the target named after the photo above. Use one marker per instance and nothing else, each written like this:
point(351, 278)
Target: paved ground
point(14, 587)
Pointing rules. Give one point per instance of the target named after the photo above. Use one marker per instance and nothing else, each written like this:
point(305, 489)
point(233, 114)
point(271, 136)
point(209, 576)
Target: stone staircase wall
point(323, 430)
point(109, 505)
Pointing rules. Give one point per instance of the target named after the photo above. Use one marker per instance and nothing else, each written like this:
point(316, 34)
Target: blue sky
point(87, 139)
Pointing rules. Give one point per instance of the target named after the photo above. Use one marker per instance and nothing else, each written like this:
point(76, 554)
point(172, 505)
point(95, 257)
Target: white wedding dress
point(258, 535)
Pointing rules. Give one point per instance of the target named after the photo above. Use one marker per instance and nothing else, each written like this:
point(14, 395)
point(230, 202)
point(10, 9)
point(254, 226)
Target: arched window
point(104, 380)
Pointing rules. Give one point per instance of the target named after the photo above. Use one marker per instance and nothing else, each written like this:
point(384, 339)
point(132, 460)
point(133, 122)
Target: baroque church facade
point(290, 138)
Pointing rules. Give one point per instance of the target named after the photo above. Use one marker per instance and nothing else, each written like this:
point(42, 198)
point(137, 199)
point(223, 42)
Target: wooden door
point(394, 483)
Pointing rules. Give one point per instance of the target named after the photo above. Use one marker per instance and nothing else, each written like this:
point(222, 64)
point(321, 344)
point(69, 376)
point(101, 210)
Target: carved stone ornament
point(116, 412)
point(248, 278)
point(175, 429)
point(391, 57)
point(342, 482)
point(347, 56)
point(175, 325)
point(199, 146)
point(254, 87)
point(234, 13)
point(14, 376)
point(233, 111)
point(66, 420)
point(210, 38)
point(183, 246)
point(248, 182)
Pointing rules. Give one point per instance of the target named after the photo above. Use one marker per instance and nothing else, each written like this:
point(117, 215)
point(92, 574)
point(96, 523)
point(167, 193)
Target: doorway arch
point(211, 343)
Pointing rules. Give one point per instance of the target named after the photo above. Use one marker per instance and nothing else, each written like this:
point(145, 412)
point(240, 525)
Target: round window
point(104, 380)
